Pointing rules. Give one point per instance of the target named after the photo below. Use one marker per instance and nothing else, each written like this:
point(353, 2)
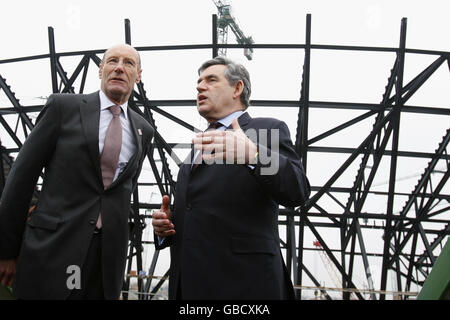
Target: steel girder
point(3, 172)
point(403, 233)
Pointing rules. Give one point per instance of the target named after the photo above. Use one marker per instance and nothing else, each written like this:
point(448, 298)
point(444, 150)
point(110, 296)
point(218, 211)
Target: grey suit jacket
point(57, 234)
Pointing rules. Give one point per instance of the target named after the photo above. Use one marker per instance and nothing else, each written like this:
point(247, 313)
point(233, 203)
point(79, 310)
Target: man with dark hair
point(92, 146)
point(223, 233)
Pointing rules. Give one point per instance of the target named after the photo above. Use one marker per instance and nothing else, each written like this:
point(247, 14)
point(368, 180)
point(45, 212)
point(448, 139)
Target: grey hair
point(234, 72)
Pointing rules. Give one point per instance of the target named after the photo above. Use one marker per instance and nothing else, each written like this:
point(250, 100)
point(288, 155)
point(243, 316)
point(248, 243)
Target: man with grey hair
point(92, 146)
point(223, 233)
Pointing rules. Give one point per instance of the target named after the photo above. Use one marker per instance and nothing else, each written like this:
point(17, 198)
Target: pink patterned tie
point(111, 151)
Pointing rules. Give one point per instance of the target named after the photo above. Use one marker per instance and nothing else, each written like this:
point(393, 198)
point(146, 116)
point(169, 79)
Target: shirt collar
point(105, 103)
point(226, 121)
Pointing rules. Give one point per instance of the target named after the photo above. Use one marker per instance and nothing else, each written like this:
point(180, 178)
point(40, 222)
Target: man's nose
point(201, 86)
point(119, 66)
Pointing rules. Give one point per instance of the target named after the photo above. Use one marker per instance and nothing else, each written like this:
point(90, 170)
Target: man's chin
point(202, 111)
point(118, 88)
point(203, 108)
point(117, 94)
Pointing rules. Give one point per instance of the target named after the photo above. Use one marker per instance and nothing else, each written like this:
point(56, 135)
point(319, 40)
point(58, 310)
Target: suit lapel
point(137, 132)
point(184, 175)
point(243, 120)
point(90, 118)
point(192, 166)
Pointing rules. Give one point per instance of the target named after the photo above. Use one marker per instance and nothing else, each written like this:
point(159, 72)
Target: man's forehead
point(122, 51)
point(217, 69)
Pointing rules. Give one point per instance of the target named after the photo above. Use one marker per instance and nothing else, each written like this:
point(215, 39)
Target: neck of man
point(227, 112)
point(119, 99)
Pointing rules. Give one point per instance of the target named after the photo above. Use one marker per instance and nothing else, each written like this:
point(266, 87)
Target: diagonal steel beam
point(415, 84)
point(16, 105)
point(341, 127)
point(317, 283)
point(393, 167)
point(68, 83)
point(421, 185)
point(331, 256)
point(301, 141)
point(83, 78)
point(363, 146)
point(10, 131)
point(424, 211)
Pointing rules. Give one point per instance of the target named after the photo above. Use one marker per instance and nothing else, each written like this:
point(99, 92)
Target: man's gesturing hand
point(233, 146)
point(162, 225)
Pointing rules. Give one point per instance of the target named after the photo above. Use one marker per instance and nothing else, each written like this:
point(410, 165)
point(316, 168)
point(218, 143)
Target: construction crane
point(334, 274)
point(226, 19)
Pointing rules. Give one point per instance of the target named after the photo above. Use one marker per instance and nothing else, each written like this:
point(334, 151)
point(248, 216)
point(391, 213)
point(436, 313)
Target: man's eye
point(130, 62)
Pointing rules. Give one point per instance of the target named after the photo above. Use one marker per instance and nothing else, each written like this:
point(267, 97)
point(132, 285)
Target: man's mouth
point(117, 79)
point(201, 98)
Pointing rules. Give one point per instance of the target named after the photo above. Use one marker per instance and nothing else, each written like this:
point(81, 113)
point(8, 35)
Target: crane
point(225, 20)
point(334, 274)
point(331, 269)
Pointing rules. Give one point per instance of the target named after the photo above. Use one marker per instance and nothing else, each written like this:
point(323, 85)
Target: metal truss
point(411, 239)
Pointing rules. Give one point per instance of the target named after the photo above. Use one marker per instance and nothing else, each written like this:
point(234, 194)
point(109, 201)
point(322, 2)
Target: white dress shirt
point(128, 142)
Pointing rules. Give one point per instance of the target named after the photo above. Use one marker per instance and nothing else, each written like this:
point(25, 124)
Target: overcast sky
point(276, 74)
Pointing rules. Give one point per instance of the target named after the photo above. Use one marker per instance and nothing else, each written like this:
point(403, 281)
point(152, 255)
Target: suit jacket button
point(188, 206)
point(92, 222)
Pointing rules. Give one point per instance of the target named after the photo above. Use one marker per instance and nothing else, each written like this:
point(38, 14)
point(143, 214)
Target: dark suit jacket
point(226, 244)
point(58, 233)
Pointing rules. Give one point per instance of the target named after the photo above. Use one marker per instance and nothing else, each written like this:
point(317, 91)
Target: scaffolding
point(412, 238)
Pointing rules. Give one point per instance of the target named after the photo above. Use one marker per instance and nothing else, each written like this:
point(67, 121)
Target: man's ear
point(100, 70)
point(238, 89)
point(138, 78)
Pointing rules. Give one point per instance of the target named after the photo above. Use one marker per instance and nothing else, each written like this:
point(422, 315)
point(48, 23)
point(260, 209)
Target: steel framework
point(411, 239)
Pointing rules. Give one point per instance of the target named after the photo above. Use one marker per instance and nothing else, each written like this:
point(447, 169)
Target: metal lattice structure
point(411, 239)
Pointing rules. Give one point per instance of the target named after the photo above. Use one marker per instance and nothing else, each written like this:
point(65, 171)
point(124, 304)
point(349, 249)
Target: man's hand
point(162, 225)
point(233, 146)
point(7, 272)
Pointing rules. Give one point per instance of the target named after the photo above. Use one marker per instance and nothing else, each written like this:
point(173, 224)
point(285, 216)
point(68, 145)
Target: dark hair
point(234, 72)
